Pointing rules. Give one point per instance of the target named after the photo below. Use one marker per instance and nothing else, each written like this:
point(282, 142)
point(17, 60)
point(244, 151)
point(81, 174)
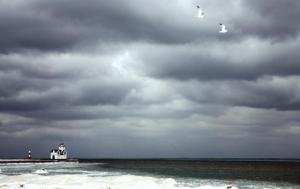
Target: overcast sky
point(135, 79)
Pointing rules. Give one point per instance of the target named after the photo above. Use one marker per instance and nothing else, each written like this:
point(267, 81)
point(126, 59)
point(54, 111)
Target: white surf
point(83, 176)
point(32, 181)
point(41, 171)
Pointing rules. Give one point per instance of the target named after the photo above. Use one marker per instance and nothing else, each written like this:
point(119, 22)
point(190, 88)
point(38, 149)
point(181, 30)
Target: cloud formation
point(149, 79)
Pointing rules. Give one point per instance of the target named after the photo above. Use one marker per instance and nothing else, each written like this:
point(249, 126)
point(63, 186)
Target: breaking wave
point(33, 181)
point(90, 176)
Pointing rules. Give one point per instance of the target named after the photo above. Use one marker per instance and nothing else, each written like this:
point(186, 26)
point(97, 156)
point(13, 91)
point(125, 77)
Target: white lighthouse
point(60, 153)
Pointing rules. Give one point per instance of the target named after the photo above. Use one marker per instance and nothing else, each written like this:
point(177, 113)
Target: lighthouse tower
point(29, 154)
point(60, 153)
point(62, 148)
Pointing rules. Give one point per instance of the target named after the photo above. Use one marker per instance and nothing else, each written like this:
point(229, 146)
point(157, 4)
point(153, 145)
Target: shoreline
point(16, 161)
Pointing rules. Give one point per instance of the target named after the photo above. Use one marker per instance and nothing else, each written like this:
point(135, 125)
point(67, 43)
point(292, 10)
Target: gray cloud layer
point(149, 79)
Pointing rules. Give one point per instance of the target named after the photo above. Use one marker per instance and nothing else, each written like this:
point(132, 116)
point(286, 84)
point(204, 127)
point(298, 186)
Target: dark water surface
point(259, 170)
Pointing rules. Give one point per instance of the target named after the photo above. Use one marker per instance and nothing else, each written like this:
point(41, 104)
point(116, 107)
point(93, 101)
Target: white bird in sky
point(223, 28)
point(200, 12)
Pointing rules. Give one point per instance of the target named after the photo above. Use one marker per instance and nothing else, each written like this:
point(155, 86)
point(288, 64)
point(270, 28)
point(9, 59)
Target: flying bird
point(223, 28)
point(200, 12)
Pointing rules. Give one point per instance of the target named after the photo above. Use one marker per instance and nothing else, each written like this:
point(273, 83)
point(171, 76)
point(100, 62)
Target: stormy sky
point(145, 79)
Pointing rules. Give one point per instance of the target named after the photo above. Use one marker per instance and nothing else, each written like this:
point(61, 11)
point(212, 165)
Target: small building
point(60, 153)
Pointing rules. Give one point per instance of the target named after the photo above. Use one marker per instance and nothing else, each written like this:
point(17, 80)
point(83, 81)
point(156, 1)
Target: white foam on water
point(33, 181)
point(89, 177)
point(41, 171)
point(85, 172)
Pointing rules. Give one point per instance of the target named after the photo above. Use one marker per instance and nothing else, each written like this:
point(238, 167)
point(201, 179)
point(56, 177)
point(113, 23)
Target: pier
point(37, 161)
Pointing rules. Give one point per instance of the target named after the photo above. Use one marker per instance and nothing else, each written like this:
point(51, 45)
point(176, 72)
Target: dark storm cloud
point(59, 25)
point(149, 79)
point(63, 25)
point(265, 93)
point(235, 61)
point(132, 20)
point(23, 28)
point(273, 19)
point(60, 101)
point(24, 73)
point(58, 86)
point(29, 67)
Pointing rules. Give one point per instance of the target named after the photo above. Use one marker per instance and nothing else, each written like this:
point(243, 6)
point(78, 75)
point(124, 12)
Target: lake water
point(152, 174)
